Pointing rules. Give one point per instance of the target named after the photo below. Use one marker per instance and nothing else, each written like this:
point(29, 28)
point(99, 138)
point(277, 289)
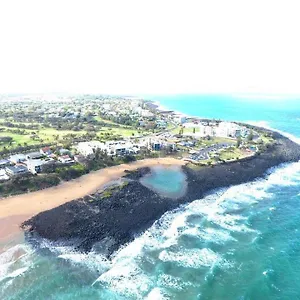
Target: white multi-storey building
point(228, 129)
point(89, 148)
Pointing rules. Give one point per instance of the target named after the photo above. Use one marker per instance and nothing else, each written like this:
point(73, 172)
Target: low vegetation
point(28, 183)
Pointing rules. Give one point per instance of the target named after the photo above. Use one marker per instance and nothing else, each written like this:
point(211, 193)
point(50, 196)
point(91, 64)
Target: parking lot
point(203, 154)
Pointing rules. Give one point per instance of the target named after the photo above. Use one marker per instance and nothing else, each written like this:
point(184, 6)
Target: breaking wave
point(266, 125)
point(195, 236)
point(180, 253)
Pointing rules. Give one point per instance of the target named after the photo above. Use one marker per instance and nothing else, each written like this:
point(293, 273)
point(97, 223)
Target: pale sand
point(10, 233)
point(22, 207)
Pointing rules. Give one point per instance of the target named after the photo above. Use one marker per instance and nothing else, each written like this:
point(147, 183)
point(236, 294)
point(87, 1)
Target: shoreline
point(22, 207)
point(116, 219)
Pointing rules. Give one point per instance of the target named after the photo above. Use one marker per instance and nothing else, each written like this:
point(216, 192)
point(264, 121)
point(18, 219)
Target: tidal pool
point(166, 181)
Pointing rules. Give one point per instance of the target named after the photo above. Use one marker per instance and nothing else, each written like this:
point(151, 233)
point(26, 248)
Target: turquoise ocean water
point(242, 242)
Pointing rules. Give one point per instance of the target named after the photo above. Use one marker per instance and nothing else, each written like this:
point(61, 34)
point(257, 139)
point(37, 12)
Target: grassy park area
point(231, 153)
point(28, 137)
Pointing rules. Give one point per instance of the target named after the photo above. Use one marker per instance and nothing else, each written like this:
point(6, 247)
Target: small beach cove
point(17, 209)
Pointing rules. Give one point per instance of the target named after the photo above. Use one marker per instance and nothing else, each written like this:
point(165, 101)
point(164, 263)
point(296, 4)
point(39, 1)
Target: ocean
point(241, 242)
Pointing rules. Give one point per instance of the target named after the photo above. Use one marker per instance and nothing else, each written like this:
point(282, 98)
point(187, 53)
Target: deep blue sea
point(242, 242)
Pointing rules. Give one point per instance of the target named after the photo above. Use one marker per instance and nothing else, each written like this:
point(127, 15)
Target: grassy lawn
point(231, 154)
point(49, 134)
point(126, 132)
point(17, 139)
point(46, 134)
point(266, 140)
point(11, 120)
point(217, 140)
point(98, 118)
point(170, 126)
point(195, 166)
point(190, 130)
point(176, 130)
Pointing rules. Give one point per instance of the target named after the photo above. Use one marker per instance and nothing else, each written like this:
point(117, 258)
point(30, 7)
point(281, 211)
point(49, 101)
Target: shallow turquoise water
point(239, 243)
point(167, 181)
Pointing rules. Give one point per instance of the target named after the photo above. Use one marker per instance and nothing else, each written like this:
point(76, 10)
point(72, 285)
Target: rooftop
point(3, 162)
point(17, 169)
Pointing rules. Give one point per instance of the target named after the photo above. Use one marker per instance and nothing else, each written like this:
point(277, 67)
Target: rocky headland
point(108, 219)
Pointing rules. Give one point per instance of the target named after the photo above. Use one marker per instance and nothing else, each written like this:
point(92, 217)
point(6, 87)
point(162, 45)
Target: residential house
point(120, 148)
point(17, 170)
point(17, 158)
point(36, 165)
point(88, 148)
point(155, 145)
point(80, 159)
point(46, 151)
point(3, 175)
point(34, 155)
point(179, 119)
point(65, 159)
point(63, 151)
point(4, 163)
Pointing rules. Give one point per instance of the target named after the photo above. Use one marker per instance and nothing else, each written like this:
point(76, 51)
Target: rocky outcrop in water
point(106, 220)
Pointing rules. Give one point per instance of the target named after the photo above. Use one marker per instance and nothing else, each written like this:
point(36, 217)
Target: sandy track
point(21, 207)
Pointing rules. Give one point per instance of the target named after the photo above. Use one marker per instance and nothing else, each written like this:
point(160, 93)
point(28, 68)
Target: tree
point(238, 142)
point(250, 136)
point(194, 130)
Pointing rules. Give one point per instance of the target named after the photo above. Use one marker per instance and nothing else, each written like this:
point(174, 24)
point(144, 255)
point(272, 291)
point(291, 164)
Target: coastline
point(15, 210)
point(49, 204)
point(116, 219)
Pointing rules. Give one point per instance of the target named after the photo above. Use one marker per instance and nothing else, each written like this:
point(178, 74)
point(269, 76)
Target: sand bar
point(22, 207)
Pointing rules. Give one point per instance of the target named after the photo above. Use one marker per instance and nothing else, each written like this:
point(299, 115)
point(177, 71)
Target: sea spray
point(166, 234)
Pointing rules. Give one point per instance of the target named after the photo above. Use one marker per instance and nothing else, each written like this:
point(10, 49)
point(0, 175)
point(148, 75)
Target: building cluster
point(217, 129)
point(136, 110)
point(111, 148)
point(123, 147)
point(33, 162)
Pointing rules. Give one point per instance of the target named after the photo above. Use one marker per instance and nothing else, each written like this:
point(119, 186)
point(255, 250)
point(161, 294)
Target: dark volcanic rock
point(111, 220)
point(137, 174)
point(119, 218)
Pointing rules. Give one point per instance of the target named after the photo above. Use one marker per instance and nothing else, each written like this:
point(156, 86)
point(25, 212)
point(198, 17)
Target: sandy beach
point(16, 209)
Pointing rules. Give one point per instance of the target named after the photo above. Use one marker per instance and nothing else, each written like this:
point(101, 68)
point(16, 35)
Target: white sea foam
point(266, 125)
point(125, 276)
point(158, 294)
point(93, 261)
point(15, 261)
point(266, 272)
point(289, 175)
point(191, 258)
point(213, 219)
point(210, 234)
point(172, 282)
point(127, 279)
point(17, 272)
